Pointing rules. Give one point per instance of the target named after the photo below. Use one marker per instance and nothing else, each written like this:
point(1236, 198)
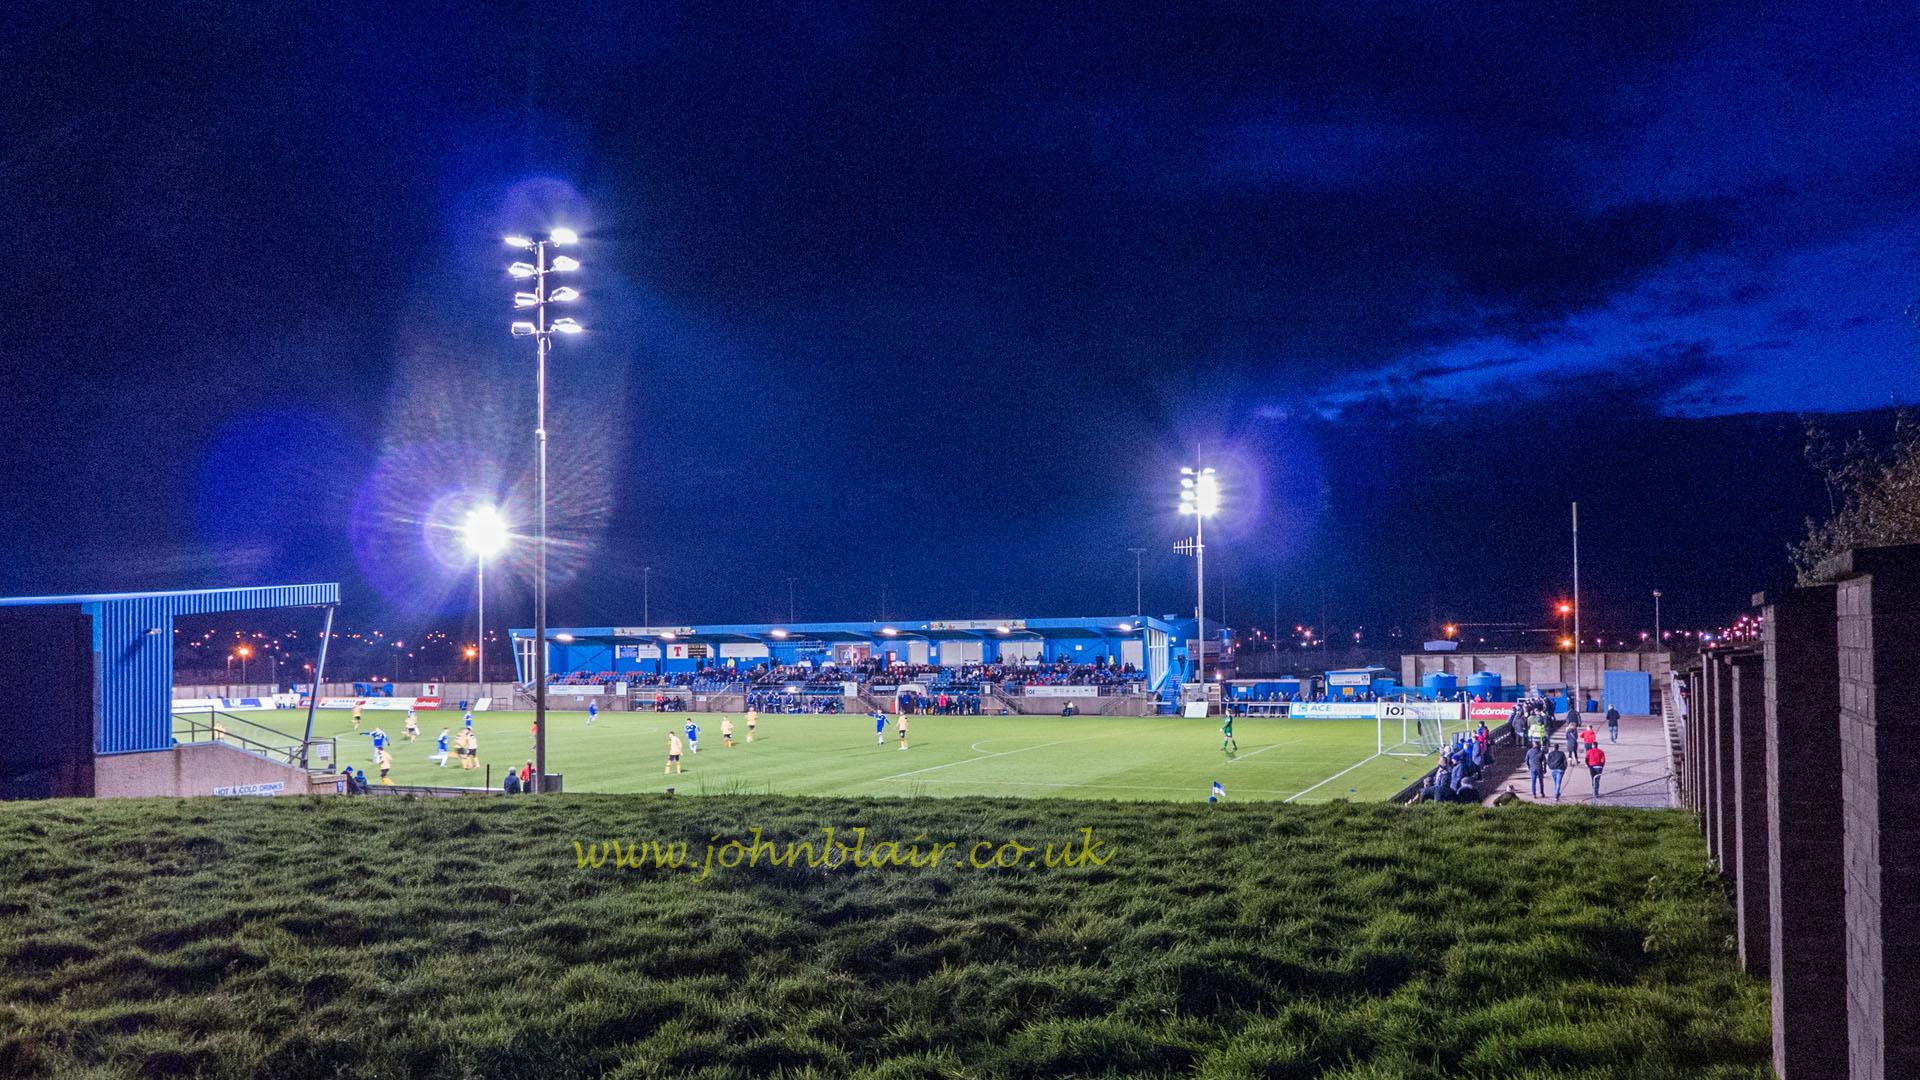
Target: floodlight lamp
point(890, 632)
point(563, 636)
point(485, 531)
point(526, 299)
point(780, 633)
point(564, 263)
point(522, 329)
point(567, 326)
point(1207, 495)
point(520, 242)
point(522, 270)
point(565, 294)
point(564, 236)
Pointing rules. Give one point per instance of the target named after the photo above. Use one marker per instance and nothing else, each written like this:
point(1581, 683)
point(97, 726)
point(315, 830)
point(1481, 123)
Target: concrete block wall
point(1877, 602)
point(1806, 940)
point(1749, 817)
point(1803, 763)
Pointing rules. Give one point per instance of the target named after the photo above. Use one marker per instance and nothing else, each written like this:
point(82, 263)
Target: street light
point(485, 535)
point(245, 651)
point(1656, 619)
point(541, 330)
point(1200, 498)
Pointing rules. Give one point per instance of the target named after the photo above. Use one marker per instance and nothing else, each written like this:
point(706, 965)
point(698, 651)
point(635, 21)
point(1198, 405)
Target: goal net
point(1419, 728)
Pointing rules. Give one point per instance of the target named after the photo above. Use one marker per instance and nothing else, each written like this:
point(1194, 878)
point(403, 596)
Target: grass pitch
point(308, 938)
point(1084, 757)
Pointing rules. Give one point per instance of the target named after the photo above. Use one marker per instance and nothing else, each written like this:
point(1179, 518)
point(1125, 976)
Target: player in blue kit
point(879, 727)
point(693, 736)
point(593, 712)
point(442, 755)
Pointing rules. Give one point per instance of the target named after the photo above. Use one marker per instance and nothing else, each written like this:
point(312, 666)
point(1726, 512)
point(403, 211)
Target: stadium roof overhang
point(908, 629)
point(133, 650)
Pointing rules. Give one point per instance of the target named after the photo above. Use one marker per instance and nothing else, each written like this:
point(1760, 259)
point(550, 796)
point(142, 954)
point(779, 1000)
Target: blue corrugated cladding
point(1629, 691)
point(133, 656)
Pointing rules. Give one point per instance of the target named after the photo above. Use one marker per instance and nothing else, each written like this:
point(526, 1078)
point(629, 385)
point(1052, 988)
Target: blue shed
point(1629, 691)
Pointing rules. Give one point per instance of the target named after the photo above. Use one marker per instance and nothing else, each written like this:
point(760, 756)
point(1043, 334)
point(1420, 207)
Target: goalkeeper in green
point(1227, 742)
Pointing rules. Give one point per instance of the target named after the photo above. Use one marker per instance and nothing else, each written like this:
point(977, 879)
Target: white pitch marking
point(1335, 776)
point(984, 757)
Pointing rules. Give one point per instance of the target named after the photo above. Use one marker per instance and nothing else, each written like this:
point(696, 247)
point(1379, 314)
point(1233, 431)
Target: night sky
point(934, 302)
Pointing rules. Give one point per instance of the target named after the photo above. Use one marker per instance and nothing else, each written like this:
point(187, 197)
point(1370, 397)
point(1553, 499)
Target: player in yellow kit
point(903, 731)
point(726, 733)
point(673, 753)
point(753, 721)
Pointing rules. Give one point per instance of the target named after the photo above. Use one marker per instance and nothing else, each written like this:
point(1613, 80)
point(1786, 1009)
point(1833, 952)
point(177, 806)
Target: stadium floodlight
point(779, 633)
point(1200, 500)
point(541, 331)
point(485, 531)
point(565, 294)
point(890, 632)
point(485, 534)
point(563, 636)
point(520, 242)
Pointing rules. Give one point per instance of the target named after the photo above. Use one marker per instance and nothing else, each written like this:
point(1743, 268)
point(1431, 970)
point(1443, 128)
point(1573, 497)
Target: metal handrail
point(293, 750)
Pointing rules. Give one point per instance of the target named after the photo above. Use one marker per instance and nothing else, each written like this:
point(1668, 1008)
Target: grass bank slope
point(365, 938)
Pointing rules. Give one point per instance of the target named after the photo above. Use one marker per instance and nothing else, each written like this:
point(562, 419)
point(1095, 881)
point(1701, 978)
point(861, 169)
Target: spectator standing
point(1613, 724)
point(1573, 736)
point(1557, 766)
point(1536, 770)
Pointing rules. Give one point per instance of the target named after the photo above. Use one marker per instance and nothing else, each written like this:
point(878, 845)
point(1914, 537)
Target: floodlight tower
point(1199, 497)
point(541, 330)
point(485, 535)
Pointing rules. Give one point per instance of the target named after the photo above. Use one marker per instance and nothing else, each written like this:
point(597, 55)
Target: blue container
point(1629, 691)
point(1484, 684)
point(1441, 682)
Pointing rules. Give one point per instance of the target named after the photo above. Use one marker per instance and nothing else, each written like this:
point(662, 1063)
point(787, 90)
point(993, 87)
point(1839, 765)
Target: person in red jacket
point(1596, 764)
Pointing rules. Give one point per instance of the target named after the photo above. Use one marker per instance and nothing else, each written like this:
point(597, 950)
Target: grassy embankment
point(334, 937)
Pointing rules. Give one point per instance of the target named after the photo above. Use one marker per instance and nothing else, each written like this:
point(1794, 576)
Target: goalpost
point(1417, 728)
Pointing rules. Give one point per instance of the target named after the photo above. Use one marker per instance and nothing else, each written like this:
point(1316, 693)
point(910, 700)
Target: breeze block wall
point(1877, 605)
